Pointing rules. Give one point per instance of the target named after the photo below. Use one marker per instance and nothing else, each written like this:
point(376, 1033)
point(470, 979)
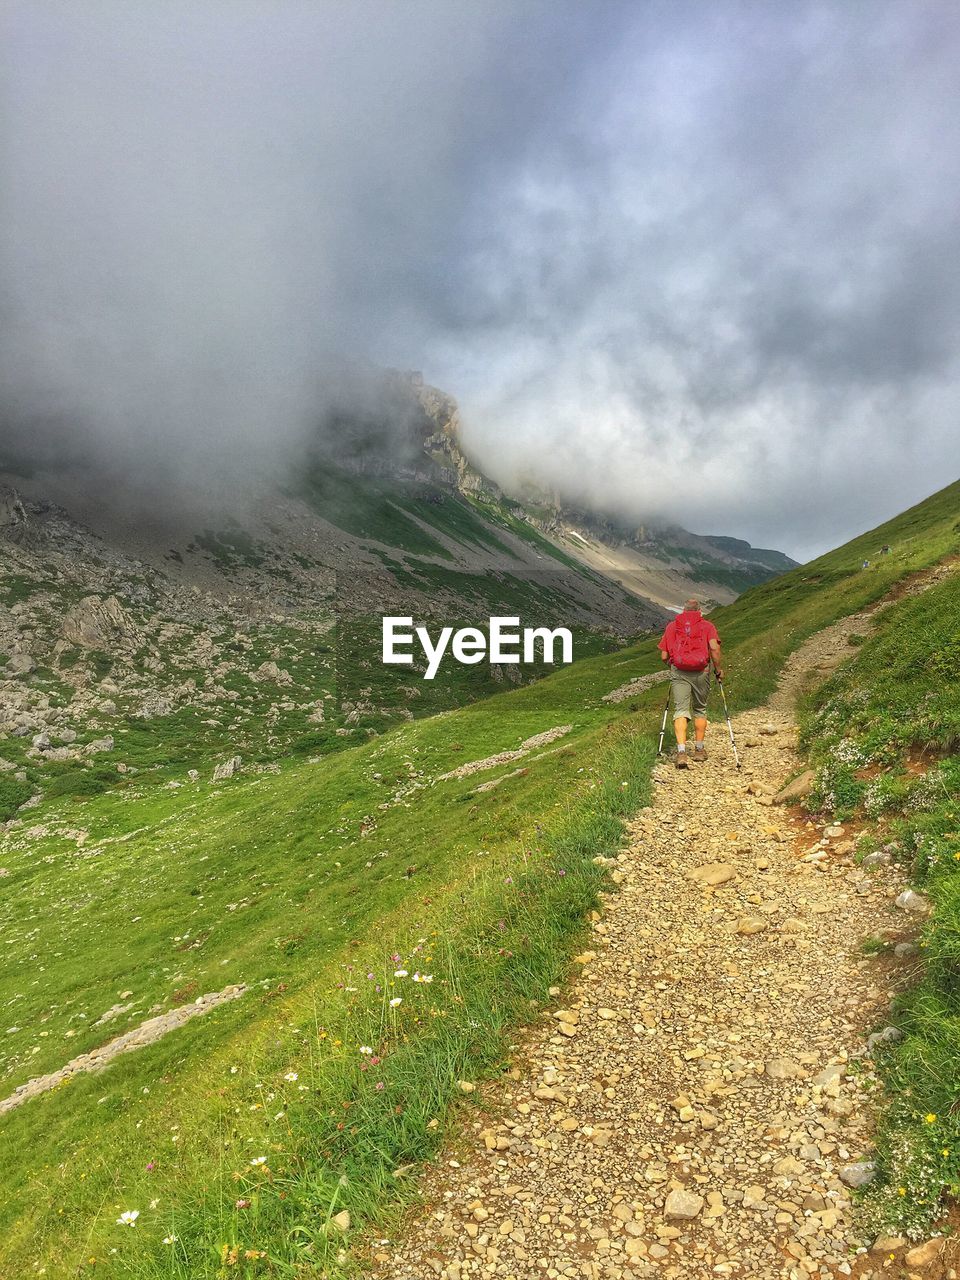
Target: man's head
point(692, 605)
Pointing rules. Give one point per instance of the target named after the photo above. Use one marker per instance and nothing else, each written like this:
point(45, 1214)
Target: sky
point(677, 261)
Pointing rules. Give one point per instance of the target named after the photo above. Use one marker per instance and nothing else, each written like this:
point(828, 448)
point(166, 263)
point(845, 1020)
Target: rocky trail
point(700, 1104)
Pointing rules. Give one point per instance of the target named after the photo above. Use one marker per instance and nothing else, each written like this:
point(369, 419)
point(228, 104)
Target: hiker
point(689, 644)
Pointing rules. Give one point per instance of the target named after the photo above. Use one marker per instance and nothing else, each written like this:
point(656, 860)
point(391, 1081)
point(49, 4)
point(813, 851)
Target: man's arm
point(715, 657)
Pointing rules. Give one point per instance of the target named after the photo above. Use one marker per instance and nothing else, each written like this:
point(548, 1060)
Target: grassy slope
point(884, 733)
point(269, 881)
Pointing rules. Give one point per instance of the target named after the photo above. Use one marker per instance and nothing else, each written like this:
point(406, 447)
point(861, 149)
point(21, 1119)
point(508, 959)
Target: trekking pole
point(726, 712)
point(663, 725)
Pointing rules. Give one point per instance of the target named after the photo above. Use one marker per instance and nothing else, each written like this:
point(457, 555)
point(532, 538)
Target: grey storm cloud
point(689, 261)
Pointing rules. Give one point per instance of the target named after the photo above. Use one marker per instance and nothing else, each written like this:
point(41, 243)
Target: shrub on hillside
point(13, 794)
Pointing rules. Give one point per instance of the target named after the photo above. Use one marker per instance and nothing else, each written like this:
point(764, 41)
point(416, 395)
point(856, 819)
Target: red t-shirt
point(690, 615)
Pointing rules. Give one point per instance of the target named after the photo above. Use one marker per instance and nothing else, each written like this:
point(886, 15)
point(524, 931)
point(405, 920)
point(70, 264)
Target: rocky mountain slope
point(245, 623)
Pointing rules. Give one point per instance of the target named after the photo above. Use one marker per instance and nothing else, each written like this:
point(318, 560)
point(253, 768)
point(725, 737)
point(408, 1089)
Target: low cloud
point(730, 292)
point(685, 261)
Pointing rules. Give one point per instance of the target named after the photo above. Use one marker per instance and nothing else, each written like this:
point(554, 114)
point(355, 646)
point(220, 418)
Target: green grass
point(230, 549)
point(12, 795)
point(301, 883)
point(502, 513)
point(705, 570)
point(884, 733)
point(367, 508)
point(215, 887)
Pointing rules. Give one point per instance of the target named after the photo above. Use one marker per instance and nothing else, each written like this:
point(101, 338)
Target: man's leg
point(682, 713)
point(701, 690)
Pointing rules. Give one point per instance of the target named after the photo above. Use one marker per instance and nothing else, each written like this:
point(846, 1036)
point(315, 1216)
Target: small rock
point(924, 1253)
point(783, 1069)
point(915, 903)
point(799, 788)
point(877, 859)
point(889, 1035)
point(683, 1204)
point(713, 874)
point(887, 1244)
point(858, 1174)
point(768, 730)
point(752, 924)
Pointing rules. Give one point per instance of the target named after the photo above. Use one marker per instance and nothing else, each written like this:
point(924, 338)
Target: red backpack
point(689, 649)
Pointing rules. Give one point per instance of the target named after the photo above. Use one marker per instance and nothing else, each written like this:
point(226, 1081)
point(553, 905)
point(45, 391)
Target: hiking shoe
point(681, 761)
point(700, 755)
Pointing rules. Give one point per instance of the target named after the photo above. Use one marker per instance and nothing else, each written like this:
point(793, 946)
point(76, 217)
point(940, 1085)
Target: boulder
point(97, 623)
point(226, 769)
point(155, 704)
point(19, 664)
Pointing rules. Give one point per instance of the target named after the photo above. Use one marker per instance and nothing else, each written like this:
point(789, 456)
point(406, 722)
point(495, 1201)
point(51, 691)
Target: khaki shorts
point(690, 689)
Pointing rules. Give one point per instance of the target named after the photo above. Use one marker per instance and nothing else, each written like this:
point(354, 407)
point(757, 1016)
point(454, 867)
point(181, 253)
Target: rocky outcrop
point(13, 517)
point(97, 1059)
point(226, 769)
point(95, 623)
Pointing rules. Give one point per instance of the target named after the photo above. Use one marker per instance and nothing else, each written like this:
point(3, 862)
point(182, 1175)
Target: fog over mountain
point(679, 260)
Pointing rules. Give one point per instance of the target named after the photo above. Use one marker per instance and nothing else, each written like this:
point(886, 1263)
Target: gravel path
point(690, 1109)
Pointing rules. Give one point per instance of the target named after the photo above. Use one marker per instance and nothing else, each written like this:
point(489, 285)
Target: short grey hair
point(692, 603)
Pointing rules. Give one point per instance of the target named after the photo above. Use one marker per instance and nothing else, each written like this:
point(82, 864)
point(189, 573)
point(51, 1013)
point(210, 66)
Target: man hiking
point(689, 644)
